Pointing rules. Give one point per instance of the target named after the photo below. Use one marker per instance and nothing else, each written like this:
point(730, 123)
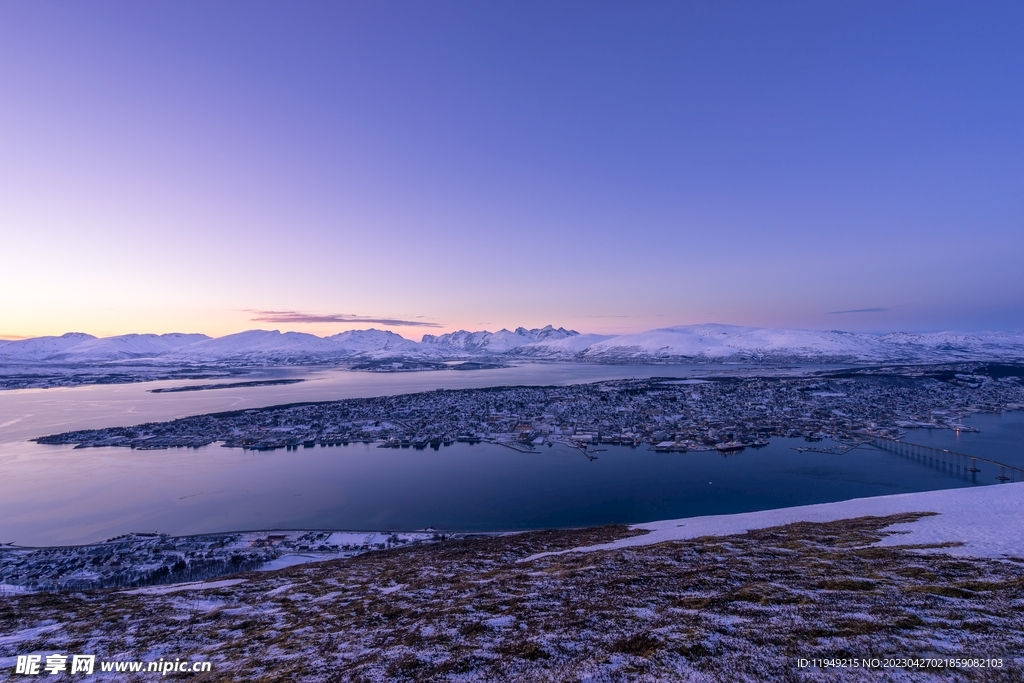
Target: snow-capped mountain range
point(687, 343)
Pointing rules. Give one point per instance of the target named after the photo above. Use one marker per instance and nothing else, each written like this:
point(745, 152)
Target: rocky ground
point(736, 608)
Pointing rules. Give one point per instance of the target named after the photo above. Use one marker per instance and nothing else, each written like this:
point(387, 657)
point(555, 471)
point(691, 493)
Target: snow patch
point(28, 634)
point(500, 622)
point(193, 586)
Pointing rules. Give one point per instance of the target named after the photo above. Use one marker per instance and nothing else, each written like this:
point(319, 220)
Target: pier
point(947, 459)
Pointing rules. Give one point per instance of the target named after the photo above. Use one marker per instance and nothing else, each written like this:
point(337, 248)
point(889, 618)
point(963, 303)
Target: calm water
point(55, 494)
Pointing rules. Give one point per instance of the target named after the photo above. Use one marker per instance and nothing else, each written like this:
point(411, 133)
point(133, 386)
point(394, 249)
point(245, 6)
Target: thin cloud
point(858, 310)
point(286, 317)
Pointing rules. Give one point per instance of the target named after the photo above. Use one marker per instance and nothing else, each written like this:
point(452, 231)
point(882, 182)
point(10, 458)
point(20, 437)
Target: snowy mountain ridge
point(501, 341)
point(686, 343)
point(712, 342)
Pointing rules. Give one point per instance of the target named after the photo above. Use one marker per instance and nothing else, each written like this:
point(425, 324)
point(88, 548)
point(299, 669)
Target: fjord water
point(57, 494)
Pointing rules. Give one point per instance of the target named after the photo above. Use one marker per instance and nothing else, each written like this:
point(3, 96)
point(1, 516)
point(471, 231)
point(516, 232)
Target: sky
point(424, 167)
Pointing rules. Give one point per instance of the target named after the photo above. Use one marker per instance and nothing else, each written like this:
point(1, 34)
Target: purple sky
point(612, 167)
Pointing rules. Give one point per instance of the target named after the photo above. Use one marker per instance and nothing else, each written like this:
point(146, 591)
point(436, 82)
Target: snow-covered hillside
point(258, 345)
point(728, 342)
point(721, 342)
point(128, 346)
point(502, 341)
point(688, 343)
point(42, 348)
point(565, 347)
point(374, 344)
point(983, 521)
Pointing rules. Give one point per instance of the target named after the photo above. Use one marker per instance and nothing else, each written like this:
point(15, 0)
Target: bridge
point(941, 457)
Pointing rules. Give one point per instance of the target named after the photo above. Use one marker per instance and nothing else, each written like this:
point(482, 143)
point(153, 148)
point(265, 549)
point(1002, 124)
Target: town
point(667, 414)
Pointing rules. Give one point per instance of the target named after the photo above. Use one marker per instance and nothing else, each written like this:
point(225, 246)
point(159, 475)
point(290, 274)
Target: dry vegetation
point(721, 609)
